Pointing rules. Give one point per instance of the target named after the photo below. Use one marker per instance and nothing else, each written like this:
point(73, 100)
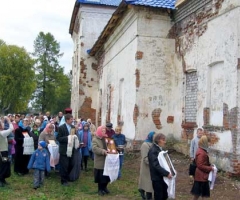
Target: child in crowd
point(35, 135)
point(39, 162)
point(119, 139)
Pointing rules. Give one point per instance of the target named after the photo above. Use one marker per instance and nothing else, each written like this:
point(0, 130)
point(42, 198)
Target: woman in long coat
point(145, 183)
point(99, 149)
point(21, 161)
point(201, 184)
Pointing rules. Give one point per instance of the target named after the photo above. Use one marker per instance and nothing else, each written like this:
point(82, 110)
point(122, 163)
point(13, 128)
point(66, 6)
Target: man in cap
point(109, 131)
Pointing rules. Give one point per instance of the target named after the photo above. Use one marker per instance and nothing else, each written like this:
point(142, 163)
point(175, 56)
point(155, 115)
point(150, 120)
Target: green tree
point(49, 74)
point(17, 78)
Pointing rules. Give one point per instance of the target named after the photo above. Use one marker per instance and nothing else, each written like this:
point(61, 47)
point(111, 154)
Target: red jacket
point(203, 166)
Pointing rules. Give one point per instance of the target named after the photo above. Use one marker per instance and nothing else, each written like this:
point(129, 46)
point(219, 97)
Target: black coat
point(156, 171)
point(62, 138)
point(21, 161)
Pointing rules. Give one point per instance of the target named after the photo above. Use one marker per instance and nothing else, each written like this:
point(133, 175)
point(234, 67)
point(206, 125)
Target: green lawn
point(82, 189)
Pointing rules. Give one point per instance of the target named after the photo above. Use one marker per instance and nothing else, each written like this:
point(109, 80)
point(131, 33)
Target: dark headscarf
point(150, 137)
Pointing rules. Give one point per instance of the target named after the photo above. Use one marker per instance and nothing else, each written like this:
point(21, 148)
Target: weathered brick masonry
point(191, 22)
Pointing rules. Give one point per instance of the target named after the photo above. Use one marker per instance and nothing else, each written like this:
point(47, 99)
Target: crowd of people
point(62, 143)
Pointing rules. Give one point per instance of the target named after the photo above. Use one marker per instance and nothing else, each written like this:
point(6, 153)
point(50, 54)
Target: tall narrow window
point(191, 97)
point(120, 103)
point(215, 93)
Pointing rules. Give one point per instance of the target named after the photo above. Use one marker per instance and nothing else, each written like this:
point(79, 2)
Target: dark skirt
point(201, 189)
point(21, 161)
point(75, 164)
point(99, 177)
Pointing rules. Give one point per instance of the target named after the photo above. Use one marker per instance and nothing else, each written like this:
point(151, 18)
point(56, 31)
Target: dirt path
point(225, 188)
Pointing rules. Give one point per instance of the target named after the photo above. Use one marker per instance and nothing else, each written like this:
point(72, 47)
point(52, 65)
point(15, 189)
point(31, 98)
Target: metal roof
point(104, 3)
point(101, 2)
point(153, 3)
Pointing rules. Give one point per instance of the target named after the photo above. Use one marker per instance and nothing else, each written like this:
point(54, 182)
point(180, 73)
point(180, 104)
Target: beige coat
point(145, 182)
point(46, 137)
point(99, 152)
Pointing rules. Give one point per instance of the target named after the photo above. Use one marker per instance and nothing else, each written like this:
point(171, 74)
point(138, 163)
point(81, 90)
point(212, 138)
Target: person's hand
point(105, 152)
point(192, 159)
point(169, 176)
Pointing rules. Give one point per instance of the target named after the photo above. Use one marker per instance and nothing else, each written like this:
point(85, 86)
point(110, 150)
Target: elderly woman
point(99, 148)
point(5, 168)
point(156, 171)
point(201, 185)
point(47, 134)
point(145, 183)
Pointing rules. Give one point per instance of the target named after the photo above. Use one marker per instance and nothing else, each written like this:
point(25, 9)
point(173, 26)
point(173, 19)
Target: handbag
point(192, 168)
point(3, 159)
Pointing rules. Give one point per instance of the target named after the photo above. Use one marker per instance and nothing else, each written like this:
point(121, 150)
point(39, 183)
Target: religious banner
point(166, 163)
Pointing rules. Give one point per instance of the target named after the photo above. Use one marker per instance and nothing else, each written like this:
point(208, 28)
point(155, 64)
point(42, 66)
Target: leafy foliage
point(53, 86)
point(17, 78)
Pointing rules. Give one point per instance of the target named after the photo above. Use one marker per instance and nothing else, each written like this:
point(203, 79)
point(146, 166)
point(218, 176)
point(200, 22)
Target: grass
point(20, 188)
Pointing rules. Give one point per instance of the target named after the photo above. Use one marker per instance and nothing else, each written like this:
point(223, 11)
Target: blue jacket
point(119, 139)
point(40, 160)
point(80, 133)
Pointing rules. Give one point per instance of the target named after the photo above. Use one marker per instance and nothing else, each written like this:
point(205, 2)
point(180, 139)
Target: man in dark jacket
point(156, 171)
point(62, 138)
point(109, 130)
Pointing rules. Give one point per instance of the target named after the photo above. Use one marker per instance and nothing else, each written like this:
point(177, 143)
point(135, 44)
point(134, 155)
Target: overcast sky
point(22, 20)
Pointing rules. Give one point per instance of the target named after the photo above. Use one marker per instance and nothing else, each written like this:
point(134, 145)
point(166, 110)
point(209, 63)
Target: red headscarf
point(99, 131)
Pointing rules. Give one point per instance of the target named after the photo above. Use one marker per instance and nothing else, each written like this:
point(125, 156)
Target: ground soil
point(225, 188)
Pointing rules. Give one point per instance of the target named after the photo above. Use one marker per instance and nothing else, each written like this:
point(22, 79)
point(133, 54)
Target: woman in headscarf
point(145, 183)
point(86, 139)
point(201, 185)
point(99, 149)
point(21, 160)
point(47, 134)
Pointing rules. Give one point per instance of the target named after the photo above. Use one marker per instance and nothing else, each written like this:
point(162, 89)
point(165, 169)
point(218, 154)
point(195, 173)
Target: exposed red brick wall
point(94, 66)
point(238, 65)
point(108, 119)
point(81, 92)
point(137, 73)
point(86, 111)
point(170, 119)
point(206, 116)
point(193, 26)
point(156, 117)
point(139, 55)
point(225, 116)
point(82, 65)
point(135, 114)
point(188, 130)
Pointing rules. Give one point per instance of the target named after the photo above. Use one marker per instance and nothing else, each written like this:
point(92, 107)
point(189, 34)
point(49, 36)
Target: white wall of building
point(215, 56)
point(92, 20)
